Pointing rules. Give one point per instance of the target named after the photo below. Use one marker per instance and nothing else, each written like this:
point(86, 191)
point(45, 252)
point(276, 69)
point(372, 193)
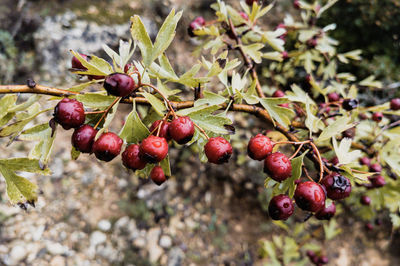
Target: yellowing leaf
point(343, 151)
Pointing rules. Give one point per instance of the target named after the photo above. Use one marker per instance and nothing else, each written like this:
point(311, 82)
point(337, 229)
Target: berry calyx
point(333, 97)
point(157, 175)
point(278, 166)
point(395, 104)
point(377, 181)
point(164, 133)
point(309, 196)
point(69, 113)
point(365, 200)
point(218, 150)
point(326, 213)
point(337, 186)
point(280, 207)
point(75, 63)
point(259, 147)
point(153, 149)
point(107, 146)
point(350, 104)
point(375, 167)
point(83, 138)
point(377, 116)
point(119, 84)
point(131, 158)
point(181, 129)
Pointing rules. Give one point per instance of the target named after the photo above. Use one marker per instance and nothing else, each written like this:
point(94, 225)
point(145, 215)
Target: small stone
point(139, 242)
point(57, 261)
point(155, 251)
point(97, 238)
point(17, 254)
point(165, 241)
point(104, 225)
point(175, 257)
point(56, 248)
point(57, 168)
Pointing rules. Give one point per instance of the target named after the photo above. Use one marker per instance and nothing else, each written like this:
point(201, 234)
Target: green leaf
point(109, 118)
point(24, 165)
point(253, 50)
point(140, 35)
point(95, 66)
point(341, 124)
point(81, 87)
point(343, 151)
point(251, 95)
point(313, 123)
point(331, 229)
point(95, 100)
point(134, 130)
point(279, 114)
point(19, 189)
point(165, 165)
point(210, 98)
point(6, 102)
point(17, 127)
point(23, 106)
point(390, 156)
point(74, 153)
point(156, 103)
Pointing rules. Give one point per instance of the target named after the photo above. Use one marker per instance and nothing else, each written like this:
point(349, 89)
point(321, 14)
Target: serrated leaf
point(313, 123)
point(141, 37)
point(17, 127)
point(251, 95)
point(390, 154)
point(134, 131)
point(24, 165)
point(343, 151)
point(341, 124)
point(210, 98)
point(279, 114)
point(371, 82)
point(19, 189)
point(81, 87)
point(95, 100)
point(95, 66)
point(253, 50)
point(156, 103)
point(331, 229)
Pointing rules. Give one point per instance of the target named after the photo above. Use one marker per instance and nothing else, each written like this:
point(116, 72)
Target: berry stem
point(94, 112)
point(139, 76)
point(106, 111)
point(296, 152)
point(201, 130)
point(321, 164)
point(306, 173)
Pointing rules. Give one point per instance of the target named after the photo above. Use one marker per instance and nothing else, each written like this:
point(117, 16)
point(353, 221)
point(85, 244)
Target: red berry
point(69, 113)
point(153, 149)
point(377, 181)
point(334, 160)
point(119, 84)
point(377, 117)
point(309, 196)
point(243, 15)
point(131, 159)
point(323, 260)
point(280, 207)
point(278, 166)
point(310, 254)
point(157, 175)
point(250, 2)
point(164, 133)
point(107, 146)
point(365, 200)
point(218, 150)
point(181, 129)
point(369, 226)
point(278, 94)
point(375, 167)
point(365, 161)
point(200, 20)
point(395, 104)
point(77, 64)
point(333, 97)
point(326, 213)
point(337, 186)
point(196, 24)
point(259, 147)
point(83, 138)
point(128, 66)
point(296, 4)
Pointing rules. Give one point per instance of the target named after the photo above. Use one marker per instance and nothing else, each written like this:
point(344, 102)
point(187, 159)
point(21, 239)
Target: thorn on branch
point(31, 83)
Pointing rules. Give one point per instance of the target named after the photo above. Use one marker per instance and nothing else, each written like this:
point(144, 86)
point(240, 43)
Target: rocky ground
point(91, 213)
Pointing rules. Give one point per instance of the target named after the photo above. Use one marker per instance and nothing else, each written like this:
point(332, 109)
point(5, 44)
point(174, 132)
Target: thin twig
point(106, 111)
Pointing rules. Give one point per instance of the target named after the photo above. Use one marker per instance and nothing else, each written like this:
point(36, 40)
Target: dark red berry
point(280, 207)
point(250, 2)
point(375, 167)
point(333, 97)
point(157, 175)
point(323, 260)
point(107, 146)
point(326, 213)
point(164, 132)
point(83, 138)
point(218, 150)
point(309, 196)
point(131, 158)
point(349, 133)
point(259, 147)
point(377, 117)
point(369, 226)
point(350, 104)
point(296, 4)
point(69, 113)
point(334, 160)
point(119, 84)
point(153, 149)
point(277, 165)
point(244, 15)
point(377, 181)
point(278, 94)
point(75, 63)
point(181, 129)
point(365, 200)
point(365, 161)
point(395, 104)
point(312, 42)
point(337, 186)
point(310, 254)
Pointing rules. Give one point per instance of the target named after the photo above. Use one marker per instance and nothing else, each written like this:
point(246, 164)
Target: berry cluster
point(315, 259)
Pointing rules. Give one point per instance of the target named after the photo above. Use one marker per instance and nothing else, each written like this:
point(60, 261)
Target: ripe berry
point(334, 160)
point(350, 104)
point(296, 4)
point(153, 149)
point(365, 161)
point(259, 147)
point(69, 113)
point(83, 138)
point(75, 63)
point(164, 133)
point(310, 254)
point(333, 97)
point(196, 24)
point(377, 181)
point(369, 226)
point(107, 146)
point(131, 159)
point(244, 15)
point(278, 166)
point(377, 117)
point(395, 104)
point(323, 260)
point(375, 167)
point(278, 94)
point(326, 213)
point(280, 207)
point(119, 84)
point(157, 175)
point(181, 129)
point(337, 186)
point(218, 150)
point(365, 200)
point(309, 196)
